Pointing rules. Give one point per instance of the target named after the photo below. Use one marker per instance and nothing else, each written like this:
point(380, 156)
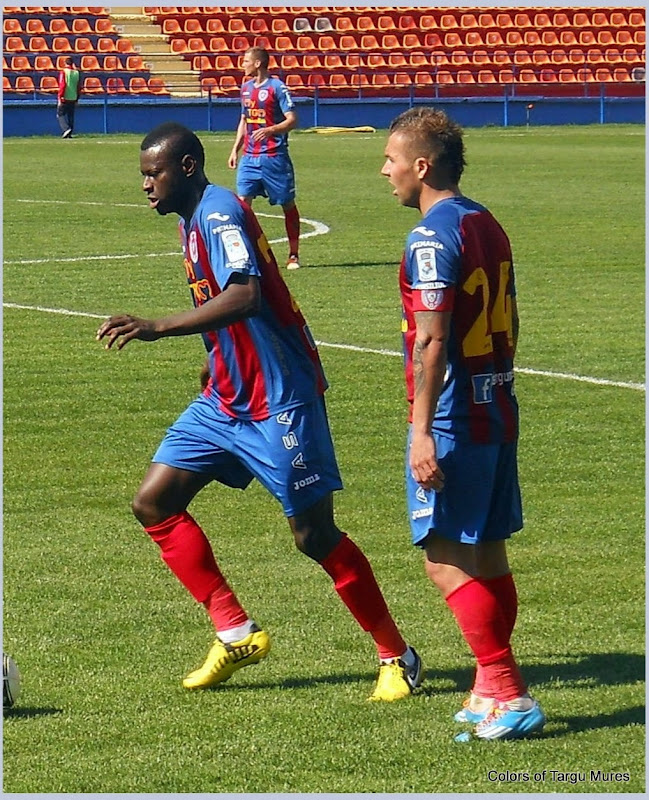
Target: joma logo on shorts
point(306, 481)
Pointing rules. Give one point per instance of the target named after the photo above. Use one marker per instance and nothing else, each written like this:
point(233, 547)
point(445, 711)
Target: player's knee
point(146, 510)
point(316, 540)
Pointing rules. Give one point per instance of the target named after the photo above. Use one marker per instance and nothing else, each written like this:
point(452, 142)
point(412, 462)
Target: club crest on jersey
point(432, 299)
point(263, 95)
point(426, 265)
point(193, 246)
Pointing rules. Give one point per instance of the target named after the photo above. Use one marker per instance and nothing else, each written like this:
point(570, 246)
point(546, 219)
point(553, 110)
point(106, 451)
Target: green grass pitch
point(103, 633)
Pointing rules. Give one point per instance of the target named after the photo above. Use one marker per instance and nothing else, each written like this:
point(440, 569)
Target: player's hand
point(123, 328)
point(260, 134)
point(423, 463)
point(232, 161)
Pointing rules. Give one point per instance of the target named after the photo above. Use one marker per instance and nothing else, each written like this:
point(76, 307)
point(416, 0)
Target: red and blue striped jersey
point(266, 363)
point(459, 259)
point(261, 107)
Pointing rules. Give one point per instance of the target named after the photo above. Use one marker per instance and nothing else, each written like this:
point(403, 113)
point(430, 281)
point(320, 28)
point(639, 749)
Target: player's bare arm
point(238, 141)
point(282, 127)
point(429, 366)
point(239, 300)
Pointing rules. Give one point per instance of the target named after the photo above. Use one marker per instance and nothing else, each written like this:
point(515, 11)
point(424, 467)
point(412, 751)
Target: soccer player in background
point(262, 415)
point(267, 115)
point(68, 97)
point(460, 326)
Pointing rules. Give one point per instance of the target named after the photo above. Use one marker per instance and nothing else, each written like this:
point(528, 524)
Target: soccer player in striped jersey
point(460, 326)
point(261, 415)
point(265, 169)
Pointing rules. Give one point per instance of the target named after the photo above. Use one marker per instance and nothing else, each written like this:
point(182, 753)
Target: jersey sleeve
point(432, 267)
point(229, 246)
point(284, 98)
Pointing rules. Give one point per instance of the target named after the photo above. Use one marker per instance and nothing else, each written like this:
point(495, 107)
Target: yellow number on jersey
point(478, 341)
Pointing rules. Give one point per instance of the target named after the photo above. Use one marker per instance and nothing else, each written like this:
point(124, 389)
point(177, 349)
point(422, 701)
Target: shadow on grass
point(24, 712)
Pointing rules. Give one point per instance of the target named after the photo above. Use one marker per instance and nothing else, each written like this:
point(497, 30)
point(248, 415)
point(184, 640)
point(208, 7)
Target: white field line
point(354, 348)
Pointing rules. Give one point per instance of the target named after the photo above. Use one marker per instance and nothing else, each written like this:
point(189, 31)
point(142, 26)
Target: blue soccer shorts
point(267, 176)
point(481, 499)
point(291, 454)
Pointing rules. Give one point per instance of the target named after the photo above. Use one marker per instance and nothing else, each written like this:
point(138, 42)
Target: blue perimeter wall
point(23, 117)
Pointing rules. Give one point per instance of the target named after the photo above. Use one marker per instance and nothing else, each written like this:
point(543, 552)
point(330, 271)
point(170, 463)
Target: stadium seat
point(106, 45)
point(280, 26)
point(81, 26)
point(216, 44)
point(452, 40)
point(444, 77)
point(35, 27)
point(548, 75)
point(385, 23)
point(228, 84)
point(214, 26)
point(344, 24)
point(305, 44)
point(521, 57)
point(359, 81)
point(224, 63)
point(20, 64)
point(549, 39)
point(201, 64)
point(639, 38)
point(464, 77)
point(14, 44)
point(333, 61)
point(624, 38)
point(522, 20)
point(295, 82)
point(581, 19)
point(568, 38)
point(326, 43)
point(13, 26)
point(24, 83)
point(240, 44)
point(236, 25)
point(115, 85)
point(576, 57)
point(6, 84)
point(481, 57)
point(311, 61)
point(514, 38)
point(89, 63)
point(585, 75)
point(209, 85)
point(504, 21)
point(595, 56)
point(323, 25)
point(506, 76)
point(501, 57)
point(348, 42)
point(375, 61)
point(542, 20)
point(618, 19)
point(195, 44)
point(138, 85)
point(192, 26)
point(486, 76)
point(587, 38)
point(338, 82)
point(493, 39)
point(423, 79)
point(621, 75)
point(259, 25)
point(560, 20)
point(289, 61)
point(353, 61)
point(83, 45)
point(459, 57)
point(416, 60)
point(473, 39)
point(402, 80)
point(600, 20)
point(134, 63)
point(557, 56)
point(48, 84)
point(448, 22)
point(532, 39)
point(567, 76)
point(411, 41)
point(43, 63)
point(364, 23)
point(406, 22)
point(316, 80)
point(369, 42)
point(178, 46)
point(636, 19)
point(59, 27)
point(605, 38)
point(427, 22)
point(103, 26)
point(432, 40)
point(265, 42)
point(284, 44)
point(390, 42)
point(92, 85)
point(157, 86)
point(603, 75)
point(380, 80)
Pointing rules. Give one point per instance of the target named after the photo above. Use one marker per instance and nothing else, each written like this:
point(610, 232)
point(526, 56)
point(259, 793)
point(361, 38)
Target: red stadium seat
point(333, 61)
point(548, 76)
point(402, 80)
point(380, 80)
point(201, 64)
point(353, 61)
point(171, 27)
point(407, 23)
point(506, 76)
point(311, 61)
point(624, 38)
point(459, 58)
point(501, 57)
point(83, 45)
point(259, 26)
point(411, 41)
point(115, 85)
point(81, 26)
point(522, 20)
point(416, 60)
point(560, 20)
point(542, 20)
point(390, 42)
point(35, 27)
point(444, 77)
point(195, 44)
point(375, 61)
point(338, 82)
point(157, 86)
point(348, 42)
point(134, 63)
point(493, 39)
point(486, 76)
point(105, 44)
point(567, 76)
point(359, 81)
point(369, 42)
point(568, 38)
point(179, 46)
point(504, 21)
point(217, 44)
point(295, 82)
point(587, 38)
point(266, 43)
point(481, 57)
point(549, 39)
point(618, 19)
point(316, 80)
point(13, 26)
point(284, 44)
point(364, 23)
point(432, 40)
point(636, 19)
point(48, 84)
point(229, 85)
point(473, 39)
point(103, 26)
point(305, 43)
point(326, 43)
point(209, 85)
point(452, 40)
point(224, 63)
point(464, 77)
point(621, 75)
point(280, 25)
point(240, 44)
point(600, 20)
point(236, 25)
point(448, 22)
point(521, 57)
point(214, 26)
point(514, 38)
point(605, 38)
point(344, 24)
point(385, 23)
point(581, 20)
point(532, 39)
point(427, 22)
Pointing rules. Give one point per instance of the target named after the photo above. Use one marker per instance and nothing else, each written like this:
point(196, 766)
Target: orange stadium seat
point(59, 27)
point(35, 27)
point(83, 45)
point(369, 42)
point(115, 85)
point(568, 39)
point(581, 20)
point(504, 20)
point(178, 46)
point(284, 44)
point(214, 26)
point(603, 75)
point(595, 56)
point(280, 25)
point(444, 77)
point(618, 20)
point(621, 74)
point(217, 44)
point(224, 63)
point(459, 57)
point(585, 75)
point(423, 79)
point(195, 45)
point(549, 39)
point(201, 64)
point(192, 26)
point(92, 85)
point(557, 56)
point(624, 38)
point(493, 39)
point(473, 39)
point(61, 44)
point(265, 42)
point(486, 20)
point(365, 24)
point(521, 57)
point(411, 41)
point(390, 42)
point(542, 20)
point(326, 43)
point(464, 76)
point(105, 44)
point(600, 20)
point(112, 64)
point(448, 22)
point(305, 43)
point(522, 20)
point(359, 81)
point(338, 82)
point(240, 44)
point(44, 64)
point(81, 26)
point(587, 38)
point(209, 85)
point(506, 76)
point(468, 21)
point(432, 40)
point(402, 80)
point(640, 38)
point(344, 24)
point(567, 76)
point(311, 61)
point(12, 26)
point(89, 63)
point(527, 76)
point(236, 25)
point(576, 57)
point(481, 57)
point(103, 25)
point(138, 85)
point(333, 61)
point(20, 64)
point(48, 84)
point(229, 84)
point(532, 39)
point(486, 76)
point(560, 20)
point(385, 23)
point(548, 75)
point(375, 61)
point(452, 40)
point(289, 61)
point(157, 86)
point(501, 57)
point(407, 23)
point(295, 82)
point(636, 19)
point(514, 38)
point(259, 25)
point(316, 80)
point(348, 42)
point(6, 84)
point(14, 44)
point(416, 60)
point(605, 38)
point(427, 22)
point(134, 63)
point(24, 83)
point(353, 61)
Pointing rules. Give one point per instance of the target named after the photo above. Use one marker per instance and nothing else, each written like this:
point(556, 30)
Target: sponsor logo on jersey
point(426, 243)
point(235, 249)
point(423, 231)
point(193, 246)
point(483, 384)
point(298, 462)
point(221, 228)
point(426, 265)
point(308, 481)
point(220, 217)
point(422, 512)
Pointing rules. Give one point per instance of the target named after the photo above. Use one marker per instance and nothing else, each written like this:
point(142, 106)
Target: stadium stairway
point(149, 41)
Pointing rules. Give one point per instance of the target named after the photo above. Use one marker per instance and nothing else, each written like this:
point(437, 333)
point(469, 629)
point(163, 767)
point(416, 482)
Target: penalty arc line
point(374, 351)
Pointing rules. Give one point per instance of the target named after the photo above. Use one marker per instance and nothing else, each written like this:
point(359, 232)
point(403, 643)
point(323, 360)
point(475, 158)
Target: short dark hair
point(434, 135)
point(260, 54)
point(180, 140)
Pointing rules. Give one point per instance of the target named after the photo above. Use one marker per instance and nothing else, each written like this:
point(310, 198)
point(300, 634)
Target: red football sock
point(292, 222)
point(486, 631)
point(504, 589)
point(188, 554)
point(357, 588)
